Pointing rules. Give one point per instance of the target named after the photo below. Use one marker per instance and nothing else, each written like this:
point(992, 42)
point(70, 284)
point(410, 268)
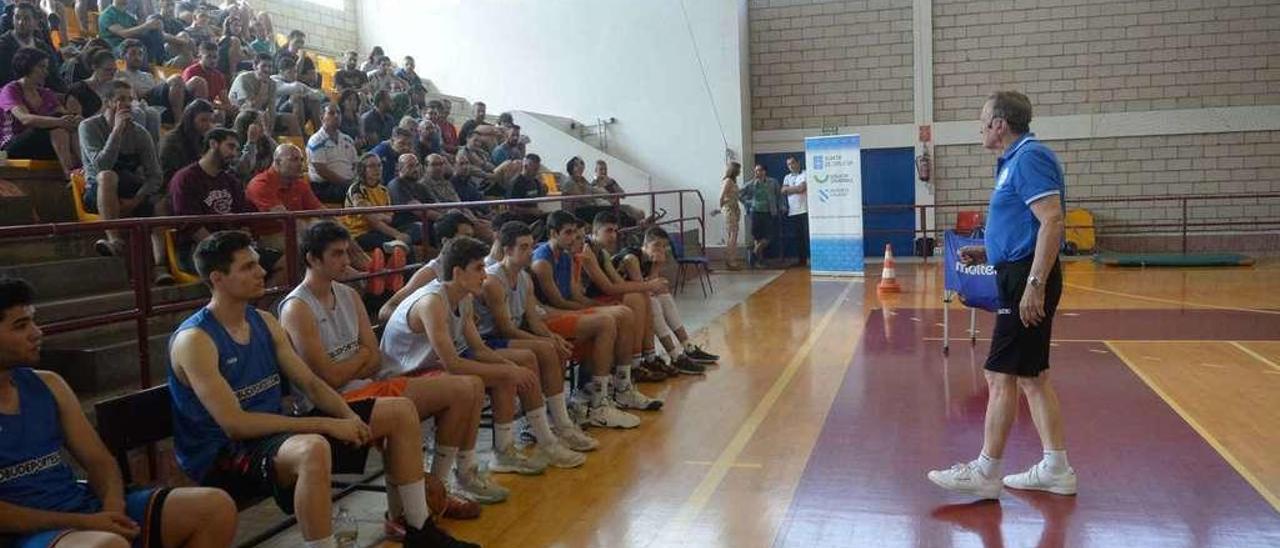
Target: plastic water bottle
point(346, 530)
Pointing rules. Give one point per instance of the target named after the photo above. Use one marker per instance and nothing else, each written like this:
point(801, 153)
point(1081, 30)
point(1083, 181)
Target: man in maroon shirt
point(206, 67)
point(208, 187)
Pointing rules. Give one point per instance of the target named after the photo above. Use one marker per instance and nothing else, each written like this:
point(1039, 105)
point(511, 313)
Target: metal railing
point(138, 233)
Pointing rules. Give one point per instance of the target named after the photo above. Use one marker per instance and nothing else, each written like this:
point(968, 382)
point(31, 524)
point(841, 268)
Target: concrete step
point(104, 360)
point(47, 189)
point(101, 303)
point(72, 277)
point(43, 249)
point(16, 210)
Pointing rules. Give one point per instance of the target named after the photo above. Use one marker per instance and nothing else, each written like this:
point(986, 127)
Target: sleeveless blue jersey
point(32, 471)
point(253, 374)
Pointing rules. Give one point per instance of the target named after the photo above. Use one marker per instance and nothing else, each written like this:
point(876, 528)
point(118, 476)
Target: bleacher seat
point(77, 185)
point(171, 259)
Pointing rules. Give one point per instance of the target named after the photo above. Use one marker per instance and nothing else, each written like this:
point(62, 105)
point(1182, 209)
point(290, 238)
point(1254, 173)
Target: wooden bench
point(143, 418)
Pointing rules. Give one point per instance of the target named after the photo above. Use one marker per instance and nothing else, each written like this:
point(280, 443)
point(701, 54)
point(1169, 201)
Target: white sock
point(559, 411)
point(326, 542)
point(676, 351)
point(504, 435)
point(622, 376)
point(1055, 461)
point(395, 508)
point(443, 463)
point(637, 359)
point(467, 460)
point(688, 346)
point(541, 429)
point(988, 466)
point(599, 390)
point(414, 497)
point(648, 355)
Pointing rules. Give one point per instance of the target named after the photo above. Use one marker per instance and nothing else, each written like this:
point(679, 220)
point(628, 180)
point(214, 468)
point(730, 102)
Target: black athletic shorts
point(128, 183)
point(1017, 349)
point(247, 469)
point(761, 225)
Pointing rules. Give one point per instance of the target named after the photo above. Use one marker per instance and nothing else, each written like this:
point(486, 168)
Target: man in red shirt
point(282, 187)
point(206, 67)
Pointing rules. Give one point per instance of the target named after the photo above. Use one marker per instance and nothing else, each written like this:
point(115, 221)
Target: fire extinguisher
point(924, 165)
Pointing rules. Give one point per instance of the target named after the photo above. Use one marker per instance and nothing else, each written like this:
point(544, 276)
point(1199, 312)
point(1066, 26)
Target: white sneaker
point(608, 416)
point(1039, 478)
point(633, 398)
point(574, 438)
point(475, 484)
point(560, 456)
point(965, 477)
point(512, 461)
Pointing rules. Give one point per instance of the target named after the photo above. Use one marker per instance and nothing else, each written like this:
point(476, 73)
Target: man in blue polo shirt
point(1023, 237)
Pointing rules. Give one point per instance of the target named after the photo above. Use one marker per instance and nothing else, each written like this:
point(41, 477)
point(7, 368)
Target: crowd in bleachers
point(189, 67)
point(198, 110)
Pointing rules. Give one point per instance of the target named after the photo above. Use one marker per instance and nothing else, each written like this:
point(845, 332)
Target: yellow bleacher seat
point(25, 163)
point(281, 40)
point(77, 185)
point(327, 68)
point(164, 71)
point(72, 22)
point(171, 258)
point(120, 64)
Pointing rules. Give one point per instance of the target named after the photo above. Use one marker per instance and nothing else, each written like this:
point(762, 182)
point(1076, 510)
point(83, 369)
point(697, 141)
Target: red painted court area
point(1147, 478)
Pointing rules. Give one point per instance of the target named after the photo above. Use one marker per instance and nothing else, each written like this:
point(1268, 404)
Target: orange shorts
point(388, 388)
point(565, 324)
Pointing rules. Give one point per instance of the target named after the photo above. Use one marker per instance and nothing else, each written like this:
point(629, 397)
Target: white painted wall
point(589, 59)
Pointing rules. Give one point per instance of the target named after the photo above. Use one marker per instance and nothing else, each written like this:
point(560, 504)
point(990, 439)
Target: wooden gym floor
point(831, 404)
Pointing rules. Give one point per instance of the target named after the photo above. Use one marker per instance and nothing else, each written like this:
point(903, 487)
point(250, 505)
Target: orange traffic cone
point(888, 278)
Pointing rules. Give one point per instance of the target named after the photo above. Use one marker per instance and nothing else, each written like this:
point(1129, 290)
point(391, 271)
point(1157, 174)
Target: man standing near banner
point(797, 193)
point(1024, 234)
point(760, 195)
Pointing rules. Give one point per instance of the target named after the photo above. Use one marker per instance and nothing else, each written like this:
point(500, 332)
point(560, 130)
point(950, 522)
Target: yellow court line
point(1171, 301)
point(1248, 476)
point(1256, 355)
point(720, 467)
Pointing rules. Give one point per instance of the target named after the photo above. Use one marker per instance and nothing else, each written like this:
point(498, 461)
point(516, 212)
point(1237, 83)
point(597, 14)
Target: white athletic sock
point(622, 376)
point(395, 508)
point(599, 390)
point(988, 466)
point(541, 429)
point(414, 497)
point(467, 460)
point(637, 359)
point(326, 542)
point(559, 410)
point(443, 463)
point(504, 435)
point(677, 349)
point(1055, 461)
point(688, 346)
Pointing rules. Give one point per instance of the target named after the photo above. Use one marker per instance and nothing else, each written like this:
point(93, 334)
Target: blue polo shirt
point(1026, 172)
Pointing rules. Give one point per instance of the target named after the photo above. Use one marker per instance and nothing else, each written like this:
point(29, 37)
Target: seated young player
point(329, 328)
point(41, 503)
point(569, 314)
point(450, 226)
point(507, 315)
point(231, 367)
point(603, 284)
point(434, 328)
point(645, 263)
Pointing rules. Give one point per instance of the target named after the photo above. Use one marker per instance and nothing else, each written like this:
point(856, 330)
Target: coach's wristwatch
point(1033, 281)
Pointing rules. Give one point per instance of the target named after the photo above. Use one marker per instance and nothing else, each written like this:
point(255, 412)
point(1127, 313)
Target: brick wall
point(329, 30)
point(1086, 56)
point(843, 63)
point(1123, 168)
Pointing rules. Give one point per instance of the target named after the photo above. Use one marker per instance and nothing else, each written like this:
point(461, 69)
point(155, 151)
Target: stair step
point(105, 359)
point(72, 277)
point(101, 303)
point(39, 249)
point(47, 189)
